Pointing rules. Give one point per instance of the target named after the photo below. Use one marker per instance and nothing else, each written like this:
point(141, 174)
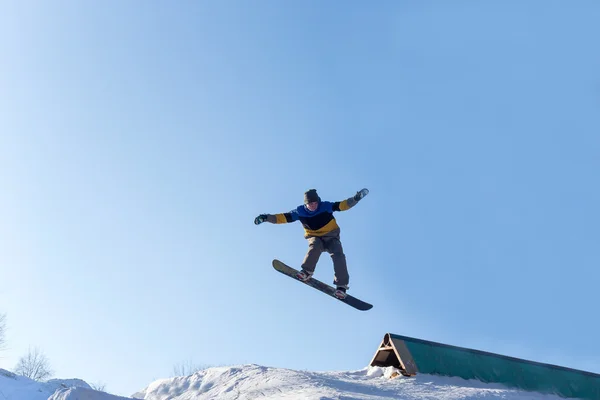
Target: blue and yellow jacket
point(320, 222)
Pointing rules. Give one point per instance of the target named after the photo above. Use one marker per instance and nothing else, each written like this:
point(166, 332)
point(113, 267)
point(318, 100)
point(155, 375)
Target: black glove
point(360, 194)
point(260, 219)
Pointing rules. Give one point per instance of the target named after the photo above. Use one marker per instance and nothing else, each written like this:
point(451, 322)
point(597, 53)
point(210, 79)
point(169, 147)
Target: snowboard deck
point(322, 287)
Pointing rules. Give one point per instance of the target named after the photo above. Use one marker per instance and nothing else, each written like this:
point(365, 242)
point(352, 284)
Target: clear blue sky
point(138, 141)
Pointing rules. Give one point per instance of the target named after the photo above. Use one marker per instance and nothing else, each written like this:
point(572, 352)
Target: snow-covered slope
point(83, 394)
point(14, 387)
point(257, 382)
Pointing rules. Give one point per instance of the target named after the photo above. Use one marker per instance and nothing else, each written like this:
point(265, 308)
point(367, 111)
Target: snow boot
point(303, 275)
point(340, 292)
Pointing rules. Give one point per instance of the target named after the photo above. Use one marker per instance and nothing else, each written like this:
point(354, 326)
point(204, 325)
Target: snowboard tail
point(322, 287)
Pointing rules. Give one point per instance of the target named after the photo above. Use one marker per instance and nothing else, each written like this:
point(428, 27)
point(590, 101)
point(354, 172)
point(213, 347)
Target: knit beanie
point(310, 196)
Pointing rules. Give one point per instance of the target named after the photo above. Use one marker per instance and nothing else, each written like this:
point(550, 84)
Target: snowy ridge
point(373, 383)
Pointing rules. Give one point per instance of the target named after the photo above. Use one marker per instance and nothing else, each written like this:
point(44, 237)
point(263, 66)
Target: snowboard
point(320, 286)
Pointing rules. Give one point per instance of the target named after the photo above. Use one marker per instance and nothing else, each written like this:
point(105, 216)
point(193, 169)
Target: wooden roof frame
point(393, 352)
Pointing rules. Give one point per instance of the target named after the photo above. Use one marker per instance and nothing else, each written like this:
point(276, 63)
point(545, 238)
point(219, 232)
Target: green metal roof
point(442, 359)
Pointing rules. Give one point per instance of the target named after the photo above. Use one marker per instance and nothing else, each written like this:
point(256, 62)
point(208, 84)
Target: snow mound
point(57, 384)
point(16, 387)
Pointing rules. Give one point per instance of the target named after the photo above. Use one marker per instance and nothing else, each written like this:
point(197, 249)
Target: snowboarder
point(322, 232)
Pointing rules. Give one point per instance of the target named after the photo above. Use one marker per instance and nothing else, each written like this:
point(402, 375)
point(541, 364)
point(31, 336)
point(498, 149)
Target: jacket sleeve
point(283, 218)
point(344, 204)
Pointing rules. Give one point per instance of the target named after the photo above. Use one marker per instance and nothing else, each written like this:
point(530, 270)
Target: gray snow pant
point(332, 245)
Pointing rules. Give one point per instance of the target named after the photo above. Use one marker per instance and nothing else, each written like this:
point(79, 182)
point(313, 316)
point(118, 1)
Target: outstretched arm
point(350, 202)
point(281, 218)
